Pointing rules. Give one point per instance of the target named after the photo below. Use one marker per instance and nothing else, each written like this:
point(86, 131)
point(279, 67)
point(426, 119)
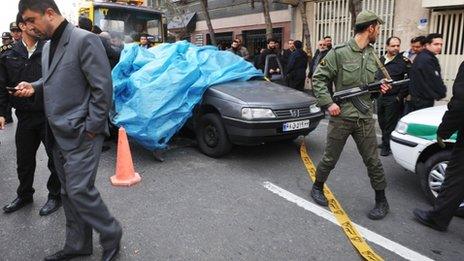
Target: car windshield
point(131, 23)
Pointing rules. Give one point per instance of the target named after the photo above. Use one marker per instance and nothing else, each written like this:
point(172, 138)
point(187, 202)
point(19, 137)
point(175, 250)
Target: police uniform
point(452, 193)
point(5, 47)
point(349, 66)
point(14, 27)
point(426, 81)
point(17, 65)
point(390, 105)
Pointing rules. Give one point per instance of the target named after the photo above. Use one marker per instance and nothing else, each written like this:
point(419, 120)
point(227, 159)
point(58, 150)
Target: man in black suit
point(426, 84)
point(452, 193)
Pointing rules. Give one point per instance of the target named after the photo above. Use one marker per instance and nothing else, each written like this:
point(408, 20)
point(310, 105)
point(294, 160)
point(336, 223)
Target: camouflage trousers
point(363, 133)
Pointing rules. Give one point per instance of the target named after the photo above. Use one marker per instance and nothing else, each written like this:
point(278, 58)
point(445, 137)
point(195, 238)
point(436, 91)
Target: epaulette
point(338, 46)
point(5, 48)
point(406, 59)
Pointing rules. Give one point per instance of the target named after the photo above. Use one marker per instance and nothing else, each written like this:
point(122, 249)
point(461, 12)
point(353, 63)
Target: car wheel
point(432, 177)
point(212, 136)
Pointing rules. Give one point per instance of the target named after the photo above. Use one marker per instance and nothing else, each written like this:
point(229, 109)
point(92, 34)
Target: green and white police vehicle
point(414, 147)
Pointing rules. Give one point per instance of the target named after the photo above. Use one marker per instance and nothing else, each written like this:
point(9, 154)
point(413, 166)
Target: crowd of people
point(419, 63)
point(355, 64)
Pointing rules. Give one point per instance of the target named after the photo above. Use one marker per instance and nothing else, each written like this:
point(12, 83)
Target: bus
point(128, 17)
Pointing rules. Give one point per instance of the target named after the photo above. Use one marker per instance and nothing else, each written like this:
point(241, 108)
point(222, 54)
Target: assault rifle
point(358, 91)
point(353, 93)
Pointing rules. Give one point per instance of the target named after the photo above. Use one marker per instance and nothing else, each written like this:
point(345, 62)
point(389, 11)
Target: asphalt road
point(192, 207)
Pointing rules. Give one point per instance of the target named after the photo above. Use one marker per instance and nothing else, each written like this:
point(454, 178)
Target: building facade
point(230, 19)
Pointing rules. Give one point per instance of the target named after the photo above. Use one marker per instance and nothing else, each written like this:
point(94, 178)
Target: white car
point(414, 146)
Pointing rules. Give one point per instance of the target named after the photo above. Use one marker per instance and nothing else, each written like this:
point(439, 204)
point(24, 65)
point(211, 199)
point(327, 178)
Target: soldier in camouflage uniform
point(350, 65)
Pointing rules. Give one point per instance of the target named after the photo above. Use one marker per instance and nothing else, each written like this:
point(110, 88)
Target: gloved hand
point(440, 142)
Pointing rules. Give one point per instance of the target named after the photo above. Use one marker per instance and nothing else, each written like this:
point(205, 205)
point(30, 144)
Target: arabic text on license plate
point(296, 125)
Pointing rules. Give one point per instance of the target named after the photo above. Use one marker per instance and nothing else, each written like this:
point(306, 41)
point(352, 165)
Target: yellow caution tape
point(350, 230)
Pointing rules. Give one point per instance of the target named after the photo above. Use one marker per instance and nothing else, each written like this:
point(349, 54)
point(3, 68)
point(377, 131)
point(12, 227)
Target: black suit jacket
point(426, 81)
point(453, 120)
point(297, 64)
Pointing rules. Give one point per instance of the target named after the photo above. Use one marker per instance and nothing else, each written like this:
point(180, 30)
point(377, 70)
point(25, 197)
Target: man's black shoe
point(319, 197)
point(110, 254)
point(17, 204)
point(379, 211)
point(62, 256)
point(385, 152)
point(424, 218)
point(50, 206)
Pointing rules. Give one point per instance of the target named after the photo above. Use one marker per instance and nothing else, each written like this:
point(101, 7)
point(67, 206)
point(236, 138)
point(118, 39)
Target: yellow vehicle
point(125, 16)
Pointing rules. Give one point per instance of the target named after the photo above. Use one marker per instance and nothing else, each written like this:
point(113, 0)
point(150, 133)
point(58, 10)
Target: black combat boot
point(317, 193)
point(381, 207)
point(385, 151)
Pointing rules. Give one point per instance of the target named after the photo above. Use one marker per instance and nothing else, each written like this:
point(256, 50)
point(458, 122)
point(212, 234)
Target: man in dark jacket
point(273, 66)
point(296, 68)
point(23, 63)
point(426, 81)
point(390, 105)
point(285, 54)
point(113, 56)
point(452, 192)
point(319, 55)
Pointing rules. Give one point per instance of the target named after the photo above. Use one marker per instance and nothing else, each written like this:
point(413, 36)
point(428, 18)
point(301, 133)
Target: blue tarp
point(155, 90)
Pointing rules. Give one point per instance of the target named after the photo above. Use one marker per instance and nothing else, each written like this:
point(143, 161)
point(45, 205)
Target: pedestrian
point(235, 49)
point(390, 105)
point(117, 41)
point(328, 42)
point(451, 193)
point(296, 68)
point(144, 41)
point(78, 123)
point(285, 54)
point(349, 65)
point(22, 62)
point(273, 67)
point(243, 50)
point(16, 32)
point(113, 57)
point(417, 45)
point(426, 81)
point(319, 55)
point(6, 39)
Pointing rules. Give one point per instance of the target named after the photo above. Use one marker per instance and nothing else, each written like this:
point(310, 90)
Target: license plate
point(296, 125)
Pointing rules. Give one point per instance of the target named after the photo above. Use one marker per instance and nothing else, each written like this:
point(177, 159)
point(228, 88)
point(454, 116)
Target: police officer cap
point(6, 35)
point(14, 26)
point(367, 16)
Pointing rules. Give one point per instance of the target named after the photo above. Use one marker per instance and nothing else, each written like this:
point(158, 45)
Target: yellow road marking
point(349, 229)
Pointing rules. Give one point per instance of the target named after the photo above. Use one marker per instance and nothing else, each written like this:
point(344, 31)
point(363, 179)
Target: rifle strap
point(381, 66)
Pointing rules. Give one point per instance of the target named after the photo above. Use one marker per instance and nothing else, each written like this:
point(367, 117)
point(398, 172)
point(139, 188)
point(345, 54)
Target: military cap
point(367, 16)
point(14, 26)
point(6, 35)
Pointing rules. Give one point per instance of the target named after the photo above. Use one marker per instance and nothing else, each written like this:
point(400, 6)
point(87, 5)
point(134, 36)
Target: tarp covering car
point(156, 89)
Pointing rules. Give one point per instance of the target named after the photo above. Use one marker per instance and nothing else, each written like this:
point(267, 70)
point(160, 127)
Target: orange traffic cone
point(125, 174)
